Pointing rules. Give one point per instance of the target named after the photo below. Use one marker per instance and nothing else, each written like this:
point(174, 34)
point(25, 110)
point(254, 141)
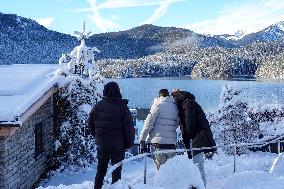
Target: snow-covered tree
point(231, 124)
point(81, 87)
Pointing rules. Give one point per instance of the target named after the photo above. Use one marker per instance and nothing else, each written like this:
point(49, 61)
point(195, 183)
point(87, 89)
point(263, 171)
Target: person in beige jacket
point(161, 124)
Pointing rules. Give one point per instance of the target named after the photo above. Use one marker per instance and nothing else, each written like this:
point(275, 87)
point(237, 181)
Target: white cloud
point(251, 16)
point(159, 12)
point(46, 22)
point(106, 24)
point(133, 3)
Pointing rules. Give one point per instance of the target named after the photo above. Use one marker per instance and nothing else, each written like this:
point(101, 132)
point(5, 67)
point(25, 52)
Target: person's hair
point(111, 89)
point(164, 92)
point(176, 93)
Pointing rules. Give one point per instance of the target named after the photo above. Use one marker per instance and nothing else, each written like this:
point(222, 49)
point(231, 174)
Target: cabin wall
point(21, 165)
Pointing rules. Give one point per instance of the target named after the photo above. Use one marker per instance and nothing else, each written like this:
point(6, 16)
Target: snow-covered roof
point(21, 85)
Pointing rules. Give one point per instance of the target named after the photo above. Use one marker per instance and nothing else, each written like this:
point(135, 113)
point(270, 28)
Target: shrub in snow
point(230, 123)
point(81, 86)
point(266, 113)
point(270, 118)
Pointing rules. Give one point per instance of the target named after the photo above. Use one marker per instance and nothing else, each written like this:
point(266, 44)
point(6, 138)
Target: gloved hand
point(143, 146)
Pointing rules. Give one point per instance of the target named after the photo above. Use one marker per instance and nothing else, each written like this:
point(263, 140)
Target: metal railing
point(277, 140)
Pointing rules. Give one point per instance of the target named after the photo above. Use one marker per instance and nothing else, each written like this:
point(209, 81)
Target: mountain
point(146, 40)
point(232, 38)
point(149, 50)
point(24, 41)
point(274, 32)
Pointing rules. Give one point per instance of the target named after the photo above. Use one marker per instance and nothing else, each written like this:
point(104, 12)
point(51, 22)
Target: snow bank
point(178, 172)
point(84, 185)
point(253, 180)
point(70, 179)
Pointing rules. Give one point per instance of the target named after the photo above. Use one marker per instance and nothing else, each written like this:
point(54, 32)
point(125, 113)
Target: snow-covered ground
point(253, 172)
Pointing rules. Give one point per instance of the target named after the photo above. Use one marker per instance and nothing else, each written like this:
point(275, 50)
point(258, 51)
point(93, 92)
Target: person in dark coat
point(111, 124)
point(196, 132)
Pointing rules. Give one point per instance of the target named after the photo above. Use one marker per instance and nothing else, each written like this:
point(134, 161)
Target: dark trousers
point(103, 160)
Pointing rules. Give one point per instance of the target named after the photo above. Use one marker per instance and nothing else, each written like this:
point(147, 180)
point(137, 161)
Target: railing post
point(278, 149)
point(145, 167)
point(235, 157)
point(191, 149)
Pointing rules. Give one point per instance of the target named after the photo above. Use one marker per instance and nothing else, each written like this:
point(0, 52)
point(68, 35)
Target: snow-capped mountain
point(272, 33)
point(238, 35)
point(25, 41)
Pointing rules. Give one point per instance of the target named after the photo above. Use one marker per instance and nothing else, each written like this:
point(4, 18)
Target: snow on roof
point(21, 85)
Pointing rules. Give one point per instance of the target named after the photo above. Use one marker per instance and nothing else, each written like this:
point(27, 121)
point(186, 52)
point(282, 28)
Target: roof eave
point(10, 124)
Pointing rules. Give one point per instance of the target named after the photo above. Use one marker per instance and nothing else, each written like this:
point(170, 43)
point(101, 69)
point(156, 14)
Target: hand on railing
point(143, 146)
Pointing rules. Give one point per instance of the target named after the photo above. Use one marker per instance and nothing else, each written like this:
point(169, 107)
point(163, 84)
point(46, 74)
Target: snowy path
point(252, 172)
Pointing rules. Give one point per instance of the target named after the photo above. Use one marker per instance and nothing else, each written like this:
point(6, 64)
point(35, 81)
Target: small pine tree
point(81, 86)
point(230, 123)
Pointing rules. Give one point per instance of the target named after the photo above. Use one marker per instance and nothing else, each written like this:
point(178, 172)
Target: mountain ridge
point(25, 41)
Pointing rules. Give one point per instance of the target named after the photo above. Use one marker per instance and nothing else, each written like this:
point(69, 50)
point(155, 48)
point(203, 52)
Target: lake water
point(141, 91)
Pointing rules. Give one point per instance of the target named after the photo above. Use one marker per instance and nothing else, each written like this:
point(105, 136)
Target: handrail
point(145, 155)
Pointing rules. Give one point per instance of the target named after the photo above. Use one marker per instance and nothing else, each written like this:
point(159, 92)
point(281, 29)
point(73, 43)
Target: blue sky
point(202, 16)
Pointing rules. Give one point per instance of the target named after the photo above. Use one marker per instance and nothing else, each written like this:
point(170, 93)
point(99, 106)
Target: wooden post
point(235, 158)
point(145, 168)
point(191, 149)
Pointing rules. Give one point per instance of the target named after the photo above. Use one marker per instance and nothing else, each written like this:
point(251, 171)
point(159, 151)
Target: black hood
point(181, 96)
point(187, 95)
point(112, 90)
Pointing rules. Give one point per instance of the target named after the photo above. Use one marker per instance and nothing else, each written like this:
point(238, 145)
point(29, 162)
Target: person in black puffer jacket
point(194, 127)
point(111, 124)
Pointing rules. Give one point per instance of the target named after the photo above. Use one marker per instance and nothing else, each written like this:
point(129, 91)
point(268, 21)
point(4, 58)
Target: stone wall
point(2, 147)
point(19, 168)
